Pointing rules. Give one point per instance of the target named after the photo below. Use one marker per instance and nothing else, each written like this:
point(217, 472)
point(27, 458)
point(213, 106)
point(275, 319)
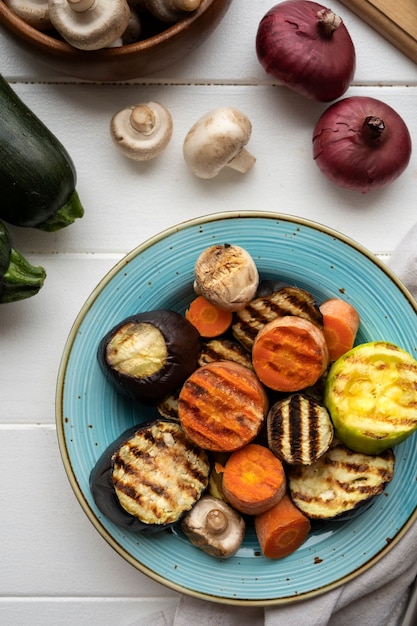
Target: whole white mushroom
point(90, 24)
point(218, 140)
point(142, 131)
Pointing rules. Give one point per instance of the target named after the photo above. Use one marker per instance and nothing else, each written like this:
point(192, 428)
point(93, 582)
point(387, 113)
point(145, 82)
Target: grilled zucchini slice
point(339, 481)
point(286, 301)
point(371, 394)
point(299, 429)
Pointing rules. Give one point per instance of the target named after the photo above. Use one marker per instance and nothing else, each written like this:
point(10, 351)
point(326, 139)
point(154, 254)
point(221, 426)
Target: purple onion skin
point(290, 48)
point(352, 157)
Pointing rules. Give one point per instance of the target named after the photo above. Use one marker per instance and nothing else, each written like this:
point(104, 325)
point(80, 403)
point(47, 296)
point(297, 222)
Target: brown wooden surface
point(396, 20)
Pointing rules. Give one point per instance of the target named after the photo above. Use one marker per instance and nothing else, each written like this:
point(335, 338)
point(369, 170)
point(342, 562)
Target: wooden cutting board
point(396, 20)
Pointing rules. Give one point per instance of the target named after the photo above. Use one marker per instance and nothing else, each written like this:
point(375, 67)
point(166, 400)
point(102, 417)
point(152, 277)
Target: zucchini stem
point(21, 280)
point(65, 216)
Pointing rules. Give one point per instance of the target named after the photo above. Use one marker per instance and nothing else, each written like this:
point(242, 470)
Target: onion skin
point(294, 48)
point(354, 157)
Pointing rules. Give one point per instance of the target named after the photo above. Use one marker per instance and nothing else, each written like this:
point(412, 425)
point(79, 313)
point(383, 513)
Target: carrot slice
point(282, 529)
point(253, 479)
point(340, 325)
point(209, 320)
point(289, 353)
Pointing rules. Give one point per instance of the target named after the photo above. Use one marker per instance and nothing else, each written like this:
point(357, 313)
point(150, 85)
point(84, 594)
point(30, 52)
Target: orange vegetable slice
point(222, 406)
point(208, 319)
point(253, 479)
point(340, 325)
point(289, 354)
point(282, 529)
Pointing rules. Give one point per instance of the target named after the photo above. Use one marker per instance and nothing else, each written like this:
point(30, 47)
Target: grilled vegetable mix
point(281, 455)
point(18, 278)
point(37, 175)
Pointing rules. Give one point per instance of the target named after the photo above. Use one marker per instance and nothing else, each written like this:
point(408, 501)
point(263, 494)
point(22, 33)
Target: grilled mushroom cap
point(226, 275)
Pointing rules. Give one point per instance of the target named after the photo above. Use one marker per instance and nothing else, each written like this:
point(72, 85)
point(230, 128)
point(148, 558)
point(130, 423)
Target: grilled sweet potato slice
point(222, 406)
point(289, 354)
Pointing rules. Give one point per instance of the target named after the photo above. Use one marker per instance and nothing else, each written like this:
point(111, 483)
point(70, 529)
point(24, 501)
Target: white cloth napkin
point(375, 598)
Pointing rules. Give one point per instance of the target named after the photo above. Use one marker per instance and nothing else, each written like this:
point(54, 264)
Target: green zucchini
point(37, 175)
point(18, 278)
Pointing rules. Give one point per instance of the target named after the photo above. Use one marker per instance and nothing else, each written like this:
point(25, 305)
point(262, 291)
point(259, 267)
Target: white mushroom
point(33, 12)
point(89, 24)
point(134, 28)
point(218, 140)
point(227, 276)
point(171, 10)
point(214, 526)
point(142, 131)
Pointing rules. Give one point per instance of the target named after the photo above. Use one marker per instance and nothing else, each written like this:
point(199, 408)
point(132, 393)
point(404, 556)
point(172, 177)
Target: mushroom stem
point(142, 119)
point(242, 162)
point(216, 521)
point(80, 6)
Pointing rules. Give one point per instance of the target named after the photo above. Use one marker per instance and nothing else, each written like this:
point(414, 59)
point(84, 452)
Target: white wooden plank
point(229, 54)
point(34, 332)
point(52, 549)
point(126, 202)
point(83, 611)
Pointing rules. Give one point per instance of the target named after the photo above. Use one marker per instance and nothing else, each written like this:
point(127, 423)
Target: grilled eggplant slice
point(149, 477)
point(223, 349)
point(340, 481)
point(371, 394)
point(149, 355)
point(299, 429)
point(286, 301)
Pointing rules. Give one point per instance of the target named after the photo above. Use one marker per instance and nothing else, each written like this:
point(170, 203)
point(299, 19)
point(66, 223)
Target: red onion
point(308, 48)
point(361, 143)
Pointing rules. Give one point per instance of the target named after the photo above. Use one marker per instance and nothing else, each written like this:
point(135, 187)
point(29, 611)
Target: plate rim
point(59, 397)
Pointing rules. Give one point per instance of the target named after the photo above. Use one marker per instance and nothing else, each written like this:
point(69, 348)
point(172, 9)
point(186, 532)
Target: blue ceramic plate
point(90, 414)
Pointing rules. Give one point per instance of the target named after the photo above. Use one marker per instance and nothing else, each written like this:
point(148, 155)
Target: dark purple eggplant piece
point(101, 486)
point(133, 449)
point(178, 359)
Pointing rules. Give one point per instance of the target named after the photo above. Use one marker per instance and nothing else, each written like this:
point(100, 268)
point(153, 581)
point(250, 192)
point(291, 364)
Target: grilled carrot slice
point(289, 354)
point(222, 406)
point(253, 479)
point(340, 325)
point(282, 529)
point(209, 320)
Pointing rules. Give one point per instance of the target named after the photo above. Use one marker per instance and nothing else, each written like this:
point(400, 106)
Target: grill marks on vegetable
point(339, 481)
point(299, 429)
point(222, 406)
point(159, 473)
point(286, 301)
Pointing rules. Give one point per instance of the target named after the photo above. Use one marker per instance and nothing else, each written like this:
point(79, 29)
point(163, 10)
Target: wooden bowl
point(165, 45)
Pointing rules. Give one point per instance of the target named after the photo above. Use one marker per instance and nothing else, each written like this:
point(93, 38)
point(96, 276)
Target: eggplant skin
point(102, 489)
point(182, 341)
point(186, 486)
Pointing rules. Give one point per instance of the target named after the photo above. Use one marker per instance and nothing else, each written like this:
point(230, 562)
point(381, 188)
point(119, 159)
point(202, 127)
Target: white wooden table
point(55, 567)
